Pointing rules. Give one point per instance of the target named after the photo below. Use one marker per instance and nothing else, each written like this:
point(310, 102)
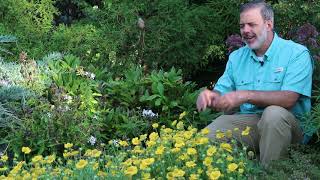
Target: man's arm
point(285, 99)
point(229, 101)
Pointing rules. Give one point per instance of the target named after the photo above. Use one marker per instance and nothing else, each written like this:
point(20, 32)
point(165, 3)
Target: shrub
point(30, 22)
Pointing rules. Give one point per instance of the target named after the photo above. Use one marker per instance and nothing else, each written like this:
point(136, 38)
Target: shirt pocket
point(273, 82)
point(244, 84)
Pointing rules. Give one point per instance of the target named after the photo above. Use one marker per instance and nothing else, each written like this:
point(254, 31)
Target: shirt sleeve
point(225, 83)
point(298, 77)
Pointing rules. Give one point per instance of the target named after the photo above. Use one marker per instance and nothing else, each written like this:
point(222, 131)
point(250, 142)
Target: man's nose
point(245, 29)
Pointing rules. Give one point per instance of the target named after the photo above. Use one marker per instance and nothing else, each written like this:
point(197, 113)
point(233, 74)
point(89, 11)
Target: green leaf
point(164, 108)
point(152, 97)
point(160, 88)
point(158, 102)
point(174, 104)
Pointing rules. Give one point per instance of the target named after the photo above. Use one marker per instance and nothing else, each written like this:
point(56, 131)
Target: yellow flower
point(68, 145)
point(137, 149)
point(194, 177)
point(50, 159)
point(202, 140)
point(187, 134)
point(26, 150)
point(146, 176)
point(180, 125)
point(182, 115)
point(160, 150)
point(236, 129)
point(143, 137)
point(132, 170)
point(96, 153)
point(146, 162)
point(17, 168)
point(150, 143)
point(229, 133)
point(219, 135)
point(229, 158)
point(4, 158)
point(136, 162)
point(102, 174)
point(153, 136)
point(175, 150)
point(246, 131)
point(205, 131)
point(241, 164)
point(135, 141)
point(68, 171)
point(73, 153)
point(95, 166)
point(123, 143)
point(179, 144)
point(167, 130)
point(207, 161)
point(37, 158)
point(240, 170)
point(128, 162)
point(232, 167)
point(226, 146)
point(81, 164)
point(3, 169)
point(178, 173)
point(155, 125)
point(174, 123)
point(211, 151)
point(184, 157)
point(191, 151)
point(190, 164)
point(214, 174)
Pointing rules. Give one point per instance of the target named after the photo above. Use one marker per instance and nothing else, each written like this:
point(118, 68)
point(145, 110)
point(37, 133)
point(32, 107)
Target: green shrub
point(30, 22)
point(290, 15)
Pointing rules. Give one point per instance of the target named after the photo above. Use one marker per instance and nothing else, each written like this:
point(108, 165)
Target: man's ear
point(269, 25)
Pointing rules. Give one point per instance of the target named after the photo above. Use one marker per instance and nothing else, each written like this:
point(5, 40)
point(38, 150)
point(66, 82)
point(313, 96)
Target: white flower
point(95, 7)
point(92, 76)
point(149, 113)
point(92, 140)
point(140, 23)
point(86, 73)
point(4, 83)
point(115, 142)
point(67, 98)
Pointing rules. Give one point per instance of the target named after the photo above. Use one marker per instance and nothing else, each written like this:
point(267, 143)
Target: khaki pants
point(270, 134)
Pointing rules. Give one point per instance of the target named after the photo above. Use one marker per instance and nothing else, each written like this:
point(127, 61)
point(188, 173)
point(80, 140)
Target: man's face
point(253, 28)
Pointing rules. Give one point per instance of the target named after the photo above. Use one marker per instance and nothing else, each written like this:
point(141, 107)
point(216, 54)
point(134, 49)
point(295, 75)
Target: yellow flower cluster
point(173, 153)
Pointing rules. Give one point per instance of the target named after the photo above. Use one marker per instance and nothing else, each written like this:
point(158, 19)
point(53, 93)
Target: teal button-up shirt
point(287, 66)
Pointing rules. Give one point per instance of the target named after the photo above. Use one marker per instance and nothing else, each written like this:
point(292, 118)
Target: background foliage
point(80, 70)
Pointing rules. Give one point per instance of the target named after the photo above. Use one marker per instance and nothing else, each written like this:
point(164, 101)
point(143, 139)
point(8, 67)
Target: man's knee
point(273, 115)
point(219, 124)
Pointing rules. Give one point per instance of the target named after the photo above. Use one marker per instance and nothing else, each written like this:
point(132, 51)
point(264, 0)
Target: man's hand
point(206, 99)
point(231, 100)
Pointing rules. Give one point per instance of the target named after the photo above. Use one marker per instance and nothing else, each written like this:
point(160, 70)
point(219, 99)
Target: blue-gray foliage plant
point(5, 39)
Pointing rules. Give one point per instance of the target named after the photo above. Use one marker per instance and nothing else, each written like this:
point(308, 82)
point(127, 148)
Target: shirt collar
point(270, 50)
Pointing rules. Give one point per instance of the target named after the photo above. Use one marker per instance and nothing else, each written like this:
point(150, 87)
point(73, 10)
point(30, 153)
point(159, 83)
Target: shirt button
point(258, 80)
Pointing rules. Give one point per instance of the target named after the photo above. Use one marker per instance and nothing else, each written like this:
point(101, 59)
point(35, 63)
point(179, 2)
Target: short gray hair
point(266, 9)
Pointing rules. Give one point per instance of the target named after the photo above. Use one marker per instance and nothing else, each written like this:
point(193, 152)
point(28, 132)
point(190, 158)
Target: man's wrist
point(245, 96)
point(248, 96)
